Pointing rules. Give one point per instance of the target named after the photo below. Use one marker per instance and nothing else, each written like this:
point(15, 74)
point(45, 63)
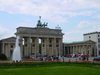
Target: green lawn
point(52, 69)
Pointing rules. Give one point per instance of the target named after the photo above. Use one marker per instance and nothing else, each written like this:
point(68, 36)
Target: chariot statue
point(39, 24)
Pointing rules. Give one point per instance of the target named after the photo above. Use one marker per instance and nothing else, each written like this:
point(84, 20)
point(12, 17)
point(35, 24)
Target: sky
point(75, 17)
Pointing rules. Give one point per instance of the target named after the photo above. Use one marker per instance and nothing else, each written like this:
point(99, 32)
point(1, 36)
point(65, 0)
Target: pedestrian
point(87, 58)
point(79, 57)
point(83, 57)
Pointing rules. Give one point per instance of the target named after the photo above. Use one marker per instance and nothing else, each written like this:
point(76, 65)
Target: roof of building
point(8, 38)
point(77, 42)
point(92, 33)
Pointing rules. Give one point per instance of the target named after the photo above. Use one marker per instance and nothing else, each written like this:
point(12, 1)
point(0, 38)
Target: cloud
point(73, 32)
point(24, 25)
point(4, 32)
point(71, 39)
point(49, 9)
point(97, 16)
point(83, 24)
point(76, 34)
point(95, 26)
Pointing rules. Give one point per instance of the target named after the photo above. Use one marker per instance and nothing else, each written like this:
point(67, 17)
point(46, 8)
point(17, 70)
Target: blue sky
point(75, 17)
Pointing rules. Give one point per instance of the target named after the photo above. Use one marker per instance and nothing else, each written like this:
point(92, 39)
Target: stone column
point(29, 41)
point(83, 49)
point(47, 46)
point(21, 46)
point(79, 48)
point(64, 49)
point(8, 50)
point(76, 49)
point(54, 46)
point(86, 47)
point(3, 48)
point(51, 51)
point(90, 49)
point(37, 46)
point(73, 50)
point(33, 49)
point(60, 47)
point(25, 47)
point(43, 46)
point(69, 50)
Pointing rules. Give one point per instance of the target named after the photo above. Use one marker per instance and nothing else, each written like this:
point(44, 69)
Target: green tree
point(3, 57)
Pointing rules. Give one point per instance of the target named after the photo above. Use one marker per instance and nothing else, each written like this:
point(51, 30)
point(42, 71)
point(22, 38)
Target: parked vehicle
point(96, 59)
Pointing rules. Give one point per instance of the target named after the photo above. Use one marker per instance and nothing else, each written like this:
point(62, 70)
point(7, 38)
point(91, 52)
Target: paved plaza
point(76, 58)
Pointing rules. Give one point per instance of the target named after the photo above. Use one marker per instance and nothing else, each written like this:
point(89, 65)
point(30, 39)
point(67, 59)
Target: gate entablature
point(39, 32)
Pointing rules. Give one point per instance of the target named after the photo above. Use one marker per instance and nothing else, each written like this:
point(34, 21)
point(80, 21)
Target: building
point(7, 46)
point(50, 40)
point(30, 38)
point(94, 36)
point(81, 47)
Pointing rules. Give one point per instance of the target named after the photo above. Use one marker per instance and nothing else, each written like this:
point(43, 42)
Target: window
point(57, 45)
point(99, 52)
point(98, 40)
point(98, 45)
point(50, 45)
point(98, 35)
point(56, 41)
point(25, 45)
point(43, 41)
point(89, 36)
point(43, 45)
point(33, 45)
point(50, 41)
point(33, 40)
point(11, 46)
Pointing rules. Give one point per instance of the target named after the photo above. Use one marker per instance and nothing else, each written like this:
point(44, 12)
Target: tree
point(3, 57)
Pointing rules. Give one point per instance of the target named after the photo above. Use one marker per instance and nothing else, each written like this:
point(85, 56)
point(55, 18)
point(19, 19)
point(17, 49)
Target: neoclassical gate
point(51, 40)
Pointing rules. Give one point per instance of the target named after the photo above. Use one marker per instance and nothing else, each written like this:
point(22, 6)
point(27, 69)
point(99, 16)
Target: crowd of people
point(80, 56)
point(54, 57)
point(48, 58)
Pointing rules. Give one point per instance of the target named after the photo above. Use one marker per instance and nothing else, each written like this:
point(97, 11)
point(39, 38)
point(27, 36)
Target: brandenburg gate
point(51, 40)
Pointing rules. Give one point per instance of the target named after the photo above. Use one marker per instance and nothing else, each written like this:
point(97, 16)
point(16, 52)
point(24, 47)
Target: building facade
point(42, 40)
point(94, 36)
point(82, 47)
point(7, 46)
point(30, 38)
point(51, 40)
